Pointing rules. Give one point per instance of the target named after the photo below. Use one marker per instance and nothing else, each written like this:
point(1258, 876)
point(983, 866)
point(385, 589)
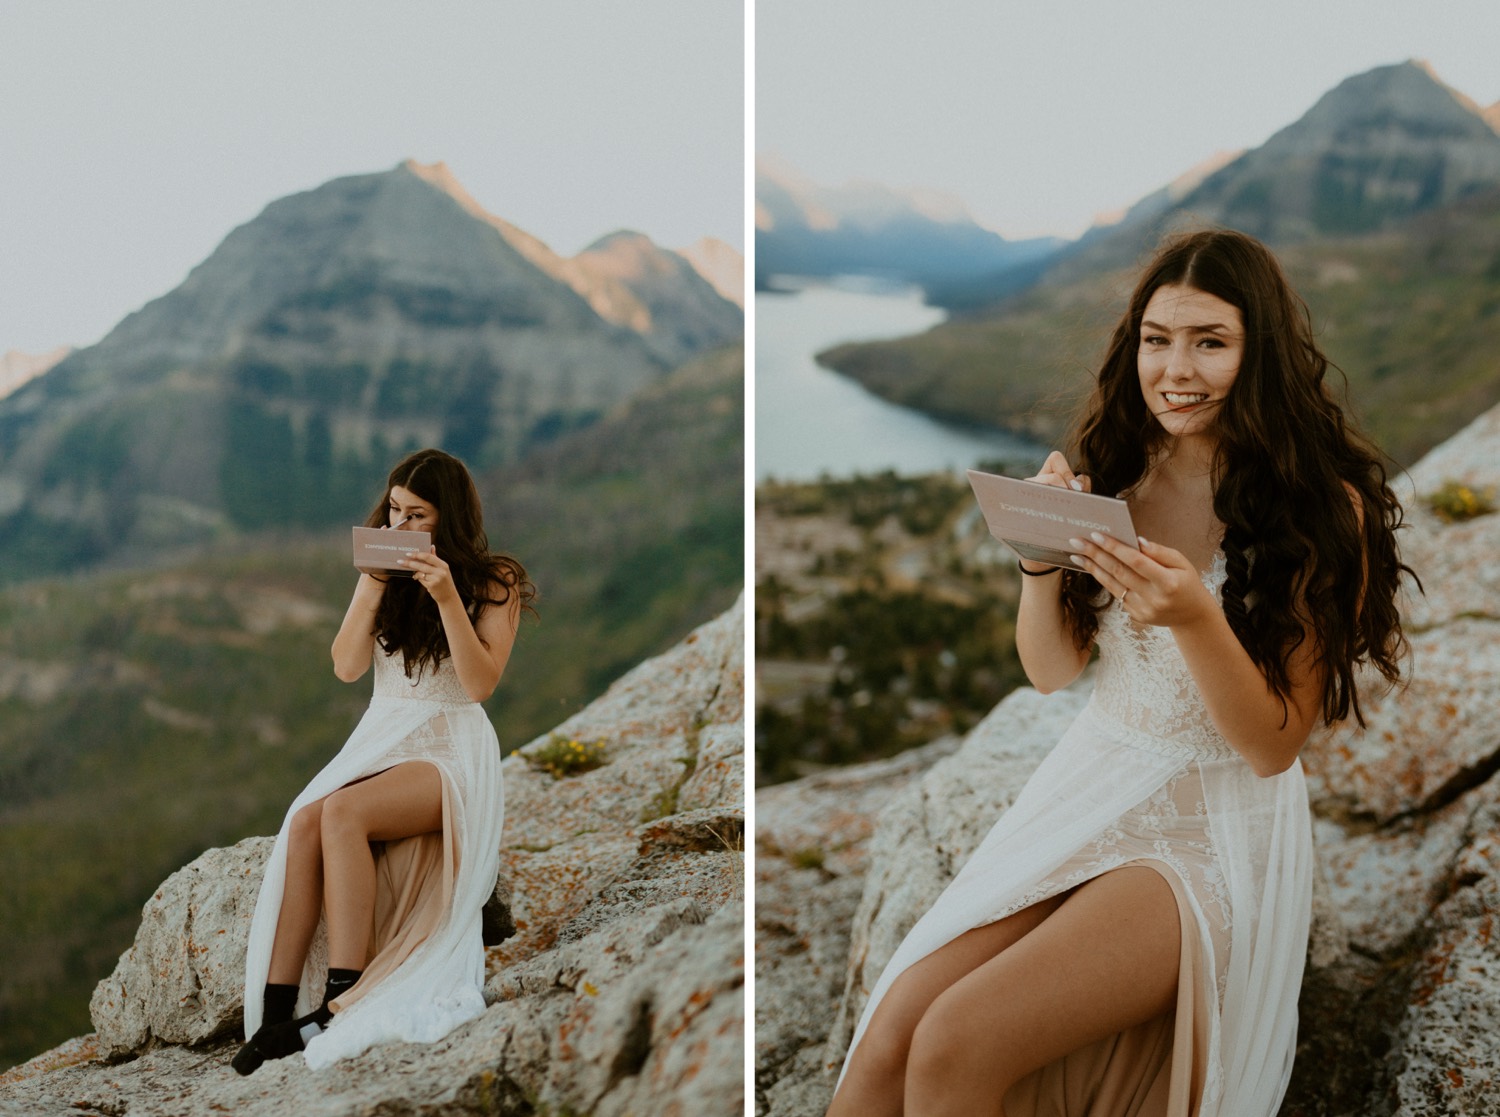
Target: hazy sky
point(134, 136)
point(1042, 113)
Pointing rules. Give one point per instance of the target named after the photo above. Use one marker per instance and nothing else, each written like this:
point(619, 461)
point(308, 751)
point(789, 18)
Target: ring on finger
point(1124, 595)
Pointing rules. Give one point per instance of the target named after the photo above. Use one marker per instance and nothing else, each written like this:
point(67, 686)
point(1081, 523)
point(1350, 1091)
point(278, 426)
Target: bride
point(396, 842)
point(1129, 937)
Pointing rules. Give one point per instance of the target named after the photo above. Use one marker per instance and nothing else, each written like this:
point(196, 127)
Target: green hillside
point(148, 715)
point(1412, 317)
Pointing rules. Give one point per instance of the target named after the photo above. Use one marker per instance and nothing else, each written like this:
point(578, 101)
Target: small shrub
point(809, 857)
point(1456, 501)
point(567, 756)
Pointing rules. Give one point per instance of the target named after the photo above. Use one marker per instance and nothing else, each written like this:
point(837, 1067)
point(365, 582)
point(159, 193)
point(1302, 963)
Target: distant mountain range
point(802, 228)
point(338, 328)
point(1383, 202)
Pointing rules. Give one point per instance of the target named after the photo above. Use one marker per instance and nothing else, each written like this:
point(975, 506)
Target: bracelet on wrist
point(1036, 573)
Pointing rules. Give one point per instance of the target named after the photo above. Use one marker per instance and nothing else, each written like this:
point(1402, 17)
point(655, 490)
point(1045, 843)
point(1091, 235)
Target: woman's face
point(410, 512)
point(1190, 350)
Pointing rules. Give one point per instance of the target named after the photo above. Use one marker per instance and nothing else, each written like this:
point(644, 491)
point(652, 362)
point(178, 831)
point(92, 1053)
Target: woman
point(1129, 938)
point(397, 840)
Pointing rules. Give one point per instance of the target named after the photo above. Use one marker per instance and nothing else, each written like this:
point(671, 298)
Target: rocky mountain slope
point(1398, 1006)
point(620, 992)
point(341, 326)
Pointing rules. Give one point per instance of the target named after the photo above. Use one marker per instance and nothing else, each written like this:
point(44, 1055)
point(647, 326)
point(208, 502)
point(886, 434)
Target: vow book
point(1036, 521)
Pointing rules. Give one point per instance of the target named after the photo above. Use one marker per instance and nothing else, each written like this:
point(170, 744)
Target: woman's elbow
point(347, 672)
point(1268, 769)
point(1268, 764)
point(1049, 681)
point(481, 690)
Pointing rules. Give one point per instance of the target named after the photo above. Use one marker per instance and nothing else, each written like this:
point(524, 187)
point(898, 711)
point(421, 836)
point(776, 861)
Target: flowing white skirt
point(426, 970)
point(1238, 851)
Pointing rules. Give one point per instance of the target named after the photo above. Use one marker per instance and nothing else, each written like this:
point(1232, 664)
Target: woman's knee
point(940, 1046)
point(342, 816)
point(306, 829)
point(887, 1038)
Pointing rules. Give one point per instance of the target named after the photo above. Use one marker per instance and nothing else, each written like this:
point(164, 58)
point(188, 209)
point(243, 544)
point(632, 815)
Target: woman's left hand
point(432, 574)
point(1155, 585)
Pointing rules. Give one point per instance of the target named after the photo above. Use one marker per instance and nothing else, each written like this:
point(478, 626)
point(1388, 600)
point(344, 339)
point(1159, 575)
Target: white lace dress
point(1143, 776)
point(426, 967)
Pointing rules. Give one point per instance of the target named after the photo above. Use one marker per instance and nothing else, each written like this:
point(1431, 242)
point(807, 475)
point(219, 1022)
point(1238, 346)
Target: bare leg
point(1104, 961)
point(398, 803)
point(302, 899)
point(874, 1083)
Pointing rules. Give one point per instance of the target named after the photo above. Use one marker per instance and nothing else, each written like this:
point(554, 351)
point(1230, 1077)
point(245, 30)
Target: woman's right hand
point(1056, 471)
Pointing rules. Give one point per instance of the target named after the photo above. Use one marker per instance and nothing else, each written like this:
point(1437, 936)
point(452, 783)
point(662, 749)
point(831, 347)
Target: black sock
point(280, 1035)
point(280, 1004)
point(339, 982)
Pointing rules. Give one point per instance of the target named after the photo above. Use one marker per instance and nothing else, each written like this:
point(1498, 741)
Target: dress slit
point(413, 891)
point(1155, 1069)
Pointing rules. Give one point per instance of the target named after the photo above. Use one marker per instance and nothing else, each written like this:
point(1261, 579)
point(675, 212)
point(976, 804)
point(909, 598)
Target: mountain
point(16, 368)
point(1377, 148)
point(864, 228)
point(1383, 203)
point(338, 328)
point(625, 278)
point(657, 293)
point(722, 265)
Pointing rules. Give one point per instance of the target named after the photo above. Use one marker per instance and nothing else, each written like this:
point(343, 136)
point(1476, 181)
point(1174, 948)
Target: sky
point(1040, 116)
point(134, 136)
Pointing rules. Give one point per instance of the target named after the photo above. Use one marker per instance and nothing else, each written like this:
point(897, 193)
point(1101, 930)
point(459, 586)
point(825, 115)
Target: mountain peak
point(1377, 148)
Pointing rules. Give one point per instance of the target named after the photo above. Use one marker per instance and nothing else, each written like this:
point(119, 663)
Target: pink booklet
point(1036, 521)
point(378, 549)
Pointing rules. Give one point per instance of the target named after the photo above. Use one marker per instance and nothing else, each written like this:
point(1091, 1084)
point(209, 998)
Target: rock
point(1398, 1006)
point(183, 979)
point(620, 992)
point(811, 844)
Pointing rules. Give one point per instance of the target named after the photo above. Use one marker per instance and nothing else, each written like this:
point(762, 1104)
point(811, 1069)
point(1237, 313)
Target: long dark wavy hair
point(1309, 521)
point(408, 618)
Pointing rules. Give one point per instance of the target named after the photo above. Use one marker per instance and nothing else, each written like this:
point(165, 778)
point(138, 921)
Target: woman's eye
point(1153, 339)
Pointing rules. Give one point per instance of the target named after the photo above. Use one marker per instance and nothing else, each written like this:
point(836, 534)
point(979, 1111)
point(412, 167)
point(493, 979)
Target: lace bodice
point(1143, 685)
point(440, 685)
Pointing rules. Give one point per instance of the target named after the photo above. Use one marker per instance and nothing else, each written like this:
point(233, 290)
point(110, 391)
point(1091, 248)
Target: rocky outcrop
point(620, 993)
point(1398, 1008)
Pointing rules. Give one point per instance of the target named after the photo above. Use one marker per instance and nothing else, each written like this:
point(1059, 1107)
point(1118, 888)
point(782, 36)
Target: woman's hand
point(1155, 585)
point(1056, 472)
point(432, 574)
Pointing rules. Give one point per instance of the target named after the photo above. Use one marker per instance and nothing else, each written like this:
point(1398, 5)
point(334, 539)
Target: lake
point(811, 422)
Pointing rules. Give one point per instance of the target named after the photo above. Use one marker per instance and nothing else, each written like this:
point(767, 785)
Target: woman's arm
point(1044, 642)
point(354, 645)
point(480, 650)
point(1163, 588)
